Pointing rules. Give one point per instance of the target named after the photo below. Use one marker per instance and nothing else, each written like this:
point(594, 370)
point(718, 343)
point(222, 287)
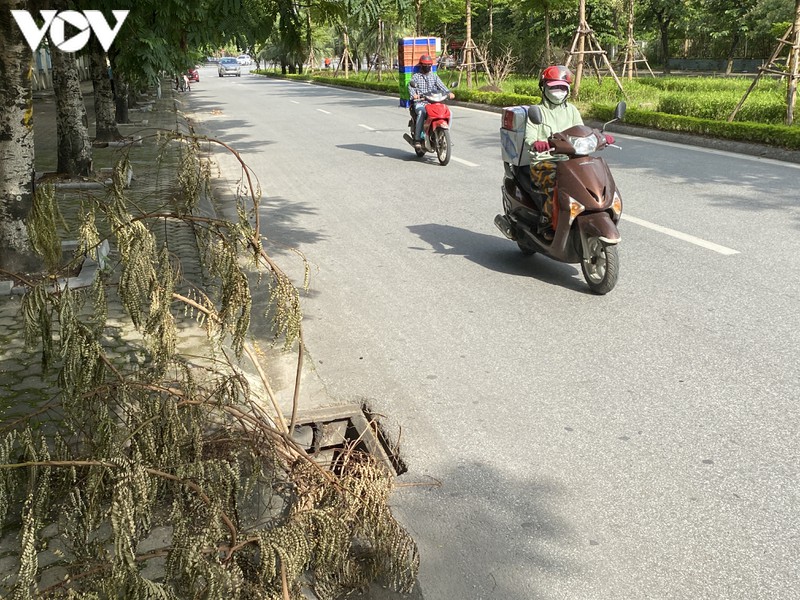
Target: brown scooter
point(587, 205)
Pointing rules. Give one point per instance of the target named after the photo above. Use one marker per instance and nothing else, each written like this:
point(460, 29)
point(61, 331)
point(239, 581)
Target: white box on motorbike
point(512, 136)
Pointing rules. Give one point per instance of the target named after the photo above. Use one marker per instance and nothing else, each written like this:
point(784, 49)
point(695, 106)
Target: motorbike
point(436, 129)
point(587, 204)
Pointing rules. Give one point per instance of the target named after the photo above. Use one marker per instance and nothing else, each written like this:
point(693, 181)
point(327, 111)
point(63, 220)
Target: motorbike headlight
point(584, 145)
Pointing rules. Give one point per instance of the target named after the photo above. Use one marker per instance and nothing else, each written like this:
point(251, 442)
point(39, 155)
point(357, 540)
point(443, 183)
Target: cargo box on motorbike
point(512, 136)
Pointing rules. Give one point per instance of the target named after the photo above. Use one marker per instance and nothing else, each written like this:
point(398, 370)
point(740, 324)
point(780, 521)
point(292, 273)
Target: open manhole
point(326, 433)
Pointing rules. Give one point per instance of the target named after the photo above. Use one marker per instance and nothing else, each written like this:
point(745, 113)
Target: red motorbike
point(435, 130)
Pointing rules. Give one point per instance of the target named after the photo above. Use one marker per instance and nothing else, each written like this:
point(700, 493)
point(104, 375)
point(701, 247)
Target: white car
point(243, 59)
point(229, 66)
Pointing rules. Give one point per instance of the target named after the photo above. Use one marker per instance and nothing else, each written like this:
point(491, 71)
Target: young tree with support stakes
point(585, 43)
point(790, 40)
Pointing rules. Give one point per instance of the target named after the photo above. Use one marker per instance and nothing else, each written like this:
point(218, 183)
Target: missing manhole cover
point(326, 433)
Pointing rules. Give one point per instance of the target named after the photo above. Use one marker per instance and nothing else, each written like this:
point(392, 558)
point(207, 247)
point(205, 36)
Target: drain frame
point(327, 432)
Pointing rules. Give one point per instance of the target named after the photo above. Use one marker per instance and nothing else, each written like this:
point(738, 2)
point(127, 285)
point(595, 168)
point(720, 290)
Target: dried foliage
point(163, 477)
point(500, 66)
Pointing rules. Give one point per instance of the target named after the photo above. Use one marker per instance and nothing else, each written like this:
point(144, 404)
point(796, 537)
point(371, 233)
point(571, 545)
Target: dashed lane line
point(682, 236)
point(464, 162)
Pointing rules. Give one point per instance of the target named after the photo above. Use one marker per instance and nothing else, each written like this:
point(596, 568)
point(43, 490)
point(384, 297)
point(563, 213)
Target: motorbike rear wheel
point(443, 148)
point(601, 269)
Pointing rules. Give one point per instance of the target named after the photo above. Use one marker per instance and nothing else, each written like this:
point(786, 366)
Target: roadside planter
point(84, 278)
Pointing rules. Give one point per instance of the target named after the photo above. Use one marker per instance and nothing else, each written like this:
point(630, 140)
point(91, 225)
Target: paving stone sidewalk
point(22, 386)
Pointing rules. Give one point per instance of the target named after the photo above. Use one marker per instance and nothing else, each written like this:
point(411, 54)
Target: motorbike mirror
point(453, 84)
point(619, 112)
point(535, 114)
point(413, 84)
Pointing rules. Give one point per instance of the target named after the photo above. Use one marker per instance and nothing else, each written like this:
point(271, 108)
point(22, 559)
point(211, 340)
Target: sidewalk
point(152, 185)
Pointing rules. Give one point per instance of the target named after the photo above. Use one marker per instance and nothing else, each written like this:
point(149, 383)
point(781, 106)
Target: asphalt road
point(559, 445)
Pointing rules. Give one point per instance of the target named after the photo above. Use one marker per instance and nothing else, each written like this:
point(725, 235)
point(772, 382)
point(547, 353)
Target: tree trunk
point(72, 124)
point(576, 88)
point(491, 21)
point(794, 65)
point(663, 25)
point(548, 46)
point(734, 45)
point(106, 128)
point(16, 144)
point(468, 51)
point(120, 87)
point(629, 57)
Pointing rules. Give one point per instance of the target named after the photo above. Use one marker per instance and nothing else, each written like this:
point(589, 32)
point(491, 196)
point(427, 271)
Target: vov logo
point(85, 23)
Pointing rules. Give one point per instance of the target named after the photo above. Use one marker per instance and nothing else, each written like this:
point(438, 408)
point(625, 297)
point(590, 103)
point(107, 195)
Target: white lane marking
point(682, 236)
point(323, 111)
point(294, 101)
point(464, 162)
point(683, 147)
point(367, 127)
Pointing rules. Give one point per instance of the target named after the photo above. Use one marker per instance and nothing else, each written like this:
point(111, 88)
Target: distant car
point(193, 74)
point(229, 66)
point(243, 59)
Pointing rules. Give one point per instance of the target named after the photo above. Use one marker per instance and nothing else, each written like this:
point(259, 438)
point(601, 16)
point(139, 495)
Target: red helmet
point(425, 60)
point(555, 75)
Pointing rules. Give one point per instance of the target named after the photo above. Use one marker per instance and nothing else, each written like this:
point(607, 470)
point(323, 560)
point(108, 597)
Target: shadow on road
point(496, 253)
point(381, 151)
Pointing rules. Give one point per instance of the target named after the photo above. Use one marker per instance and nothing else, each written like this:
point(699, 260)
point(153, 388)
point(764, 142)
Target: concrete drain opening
point(326, 433)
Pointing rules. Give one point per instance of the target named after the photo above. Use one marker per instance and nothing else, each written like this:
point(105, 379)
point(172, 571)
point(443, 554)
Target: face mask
point(425, 69)
point(556, 95)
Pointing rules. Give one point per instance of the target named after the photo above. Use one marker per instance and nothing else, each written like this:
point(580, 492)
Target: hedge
point(784, 136)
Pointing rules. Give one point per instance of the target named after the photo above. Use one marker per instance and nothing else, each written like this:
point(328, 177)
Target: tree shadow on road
point(514, 528)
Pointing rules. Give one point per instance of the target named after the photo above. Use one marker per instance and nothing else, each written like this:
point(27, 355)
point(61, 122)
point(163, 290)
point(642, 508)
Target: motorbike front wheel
point(602, 267)
point(443, 146)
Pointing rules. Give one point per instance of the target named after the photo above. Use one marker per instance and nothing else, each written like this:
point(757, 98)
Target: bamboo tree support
point(469, 46)
point(791, 39)
point(345, 59)
point(632, 55)
point(468, 64)
point(584, 37)
point(309, 40)
point(378, 54)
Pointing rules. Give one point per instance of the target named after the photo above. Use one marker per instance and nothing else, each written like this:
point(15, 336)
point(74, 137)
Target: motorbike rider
point(424, 82)
point(557, 115)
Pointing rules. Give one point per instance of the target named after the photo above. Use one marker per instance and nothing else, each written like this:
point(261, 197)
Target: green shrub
point(785, 136)
point(762, 107)
point(494, 98)
point(706, 84)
